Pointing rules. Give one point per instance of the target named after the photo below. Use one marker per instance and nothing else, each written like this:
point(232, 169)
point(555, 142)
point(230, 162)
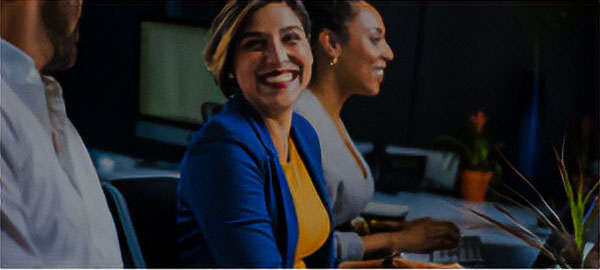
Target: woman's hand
point(425, 235)
point(377, 225)
point(397, 263)
point(404, 263)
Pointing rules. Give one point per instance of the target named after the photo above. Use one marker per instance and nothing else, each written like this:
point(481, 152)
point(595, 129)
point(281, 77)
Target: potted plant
point(478, 167)
point(583, 206)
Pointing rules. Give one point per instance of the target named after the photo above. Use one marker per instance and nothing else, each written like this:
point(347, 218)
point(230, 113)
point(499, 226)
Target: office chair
point(148, 236)
point(130, 247)
point(209, 108)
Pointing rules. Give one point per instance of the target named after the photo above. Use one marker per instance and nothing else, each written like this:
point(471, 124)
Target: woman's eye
point(291, 37)
point(376, 40)
point(254, 44)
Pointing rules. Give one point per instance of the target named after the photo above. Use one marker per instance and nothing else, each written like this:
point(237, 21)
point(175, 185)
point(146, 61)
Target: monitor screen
point(174, 81)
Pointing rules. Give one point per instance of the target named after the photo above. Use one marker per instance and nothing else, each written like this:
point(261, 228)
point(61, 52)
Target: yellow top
point(313, 220)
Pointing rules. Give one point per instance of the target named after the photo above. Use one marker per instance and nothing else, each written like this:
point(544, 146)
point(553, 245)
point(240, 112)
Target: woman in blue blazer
point(236, 208)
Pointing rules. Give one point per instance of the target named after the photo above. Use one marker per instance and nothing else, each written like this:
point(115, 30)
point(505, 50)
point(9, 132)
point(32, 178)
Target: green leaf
point(587, 197)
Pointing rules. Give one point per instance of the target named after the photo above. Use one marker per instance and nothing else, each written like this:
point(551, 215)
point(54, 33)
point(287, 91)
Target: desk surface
point(499, 249)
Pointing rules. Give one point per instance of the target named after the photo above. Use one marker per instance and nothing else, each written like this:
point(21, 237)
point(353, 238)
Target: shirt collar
point(18, 74)
point(22, 67)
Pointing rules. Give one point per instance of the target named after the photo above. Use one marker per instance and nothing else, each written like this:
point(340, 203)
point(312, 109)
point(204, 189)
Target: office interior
point(136, 91)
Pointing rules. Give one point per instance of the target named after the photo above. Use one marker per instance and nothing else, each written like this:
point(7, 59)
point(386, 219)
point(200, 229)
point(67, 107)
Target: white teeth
point(379, 72)
point(280, 78)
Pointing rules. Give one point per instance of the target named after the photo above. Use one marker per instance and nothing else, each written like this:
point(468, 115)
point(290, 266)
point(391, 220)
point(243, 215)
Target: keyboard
point(467, 252)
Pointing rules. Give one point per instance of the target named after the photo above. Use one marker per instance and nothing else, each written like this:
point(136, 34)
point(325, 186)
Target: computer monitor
point(173, 80)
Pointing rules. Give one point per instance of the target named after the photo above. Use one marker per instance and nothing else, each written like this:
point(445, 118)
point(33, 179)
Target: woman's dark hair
point(331, 15)
point(225, 31)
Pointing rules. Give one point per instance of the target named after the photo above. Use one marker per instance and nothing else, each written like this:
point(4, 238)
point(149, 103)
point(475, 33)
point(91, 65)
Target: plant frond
point(564, 177)
point(562, 147)
point(534, 189)
point(590, 192)
point(515, 221)
point(590, 218)
point(537, 211)
point(580, 188)
point(530, 241)
point(591, 211)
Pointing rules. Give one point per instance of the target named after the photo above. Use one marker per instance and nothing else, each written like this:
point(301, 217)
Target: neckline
point(345, 137)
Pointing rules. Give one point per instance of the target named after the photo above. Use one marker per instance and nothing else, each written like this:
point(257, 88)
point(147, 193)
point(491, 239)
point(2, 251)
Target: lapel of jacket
point(307, 150)
point(290, 224)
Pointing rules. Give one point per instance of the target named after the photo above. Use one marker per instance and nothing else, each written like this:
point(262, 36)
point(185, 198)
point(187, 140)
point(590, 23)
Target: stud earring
point(230, 76)
point(333, 61)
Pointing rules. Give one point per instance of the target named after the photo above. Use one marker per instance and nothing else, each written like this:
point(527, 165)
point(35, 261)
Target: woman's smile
point(280, 78)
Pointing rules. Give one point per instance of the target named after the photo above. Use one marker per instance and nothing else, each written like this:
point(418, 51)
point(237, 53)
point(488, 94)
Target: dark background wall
point(452, 59)
point(456, 58)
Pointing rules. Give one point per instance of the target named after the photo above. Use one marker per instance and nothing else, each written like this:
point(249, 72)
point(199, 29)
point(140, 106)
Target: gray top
point(348, 189)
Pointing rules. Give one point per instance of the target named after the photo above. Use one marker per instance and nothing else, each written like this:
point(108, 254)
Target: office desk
point(499, 249)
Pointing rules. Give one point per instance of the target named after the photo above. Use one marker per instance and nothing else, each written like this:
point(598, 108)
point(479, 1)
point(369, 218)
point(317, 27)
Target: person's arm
point(349, 246)
point(398, 263)
point(422, 235)
point(226, 193)
point(378, 245)
point(18, 247)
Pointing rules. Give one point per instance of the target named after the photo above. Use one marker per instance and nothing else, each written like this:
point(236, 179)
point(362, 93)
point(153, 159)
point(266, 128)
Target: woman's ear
point(330, 43)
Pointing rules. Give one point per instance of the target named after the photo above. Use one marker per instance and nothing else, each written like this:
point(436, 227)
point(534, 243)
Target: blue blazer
point(234, 207)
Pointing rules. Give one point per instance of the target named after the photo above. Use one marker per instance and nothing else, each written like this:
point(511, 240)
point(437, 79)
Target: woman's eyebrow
point(377, 29)
point(258, 34)
point(291, 27)
point(252, 34)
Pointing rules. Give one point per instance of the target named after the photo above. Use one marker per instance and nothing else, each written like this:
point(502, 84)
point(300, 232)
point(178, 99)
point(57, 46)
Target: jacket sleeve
point(225, 190)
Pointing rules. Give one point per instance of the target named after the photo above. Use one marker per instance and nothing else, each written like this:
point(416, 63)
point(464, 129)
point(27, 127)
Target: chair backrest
point(209, 108)
point(152, 206)
point(130, 247)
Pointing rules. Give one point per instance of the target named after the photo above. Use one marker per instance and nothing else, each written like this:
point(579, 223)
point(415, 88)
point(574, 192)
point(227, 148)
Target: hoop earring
point(333, 61)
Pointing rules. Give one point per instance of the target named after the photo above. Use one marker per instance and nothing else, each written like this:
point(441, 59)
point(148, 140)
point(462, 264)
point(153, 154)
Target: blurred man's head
point(60, 20)
point(46, 30)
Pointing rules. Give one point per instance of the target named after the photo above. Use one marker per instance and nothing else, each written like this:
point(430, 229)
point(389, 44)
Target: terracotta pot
point(474, 184)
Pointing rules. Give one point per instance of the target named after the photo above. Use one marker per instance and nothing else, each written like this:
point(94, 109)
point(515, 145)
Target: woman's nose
point(277, 53)
point(388, 54)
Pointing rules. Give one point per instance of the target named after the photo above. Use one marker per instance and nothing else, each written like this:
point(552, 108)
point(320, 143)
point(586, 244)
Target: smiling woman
point(351, 54)
point(251, 192)
point(273, 60)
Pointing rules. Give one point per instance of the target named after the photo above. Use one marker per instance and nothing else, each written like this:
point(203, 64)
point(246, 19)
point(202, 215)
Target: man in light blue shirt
point(53, 211)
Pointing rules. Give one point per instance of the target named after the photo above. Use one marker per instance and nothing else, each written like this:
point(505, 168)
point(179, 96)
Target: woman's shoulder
point(308, 105)
point(232, 129)
point(225, 124)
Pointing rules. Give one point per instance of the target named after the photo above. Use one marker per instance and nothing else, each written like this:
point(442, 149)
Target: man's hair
point(225, 32)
